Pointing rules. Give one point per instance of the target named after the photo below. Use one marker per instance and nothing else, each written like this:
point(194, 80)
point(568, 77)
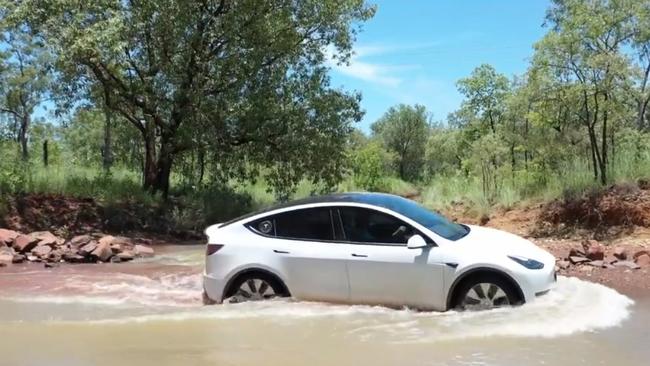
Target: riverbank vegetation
point(206, 110)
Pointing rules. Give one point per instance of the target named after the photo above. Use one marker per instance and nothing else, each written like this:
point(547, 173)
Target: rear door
point(314, 264)
point(381, 269)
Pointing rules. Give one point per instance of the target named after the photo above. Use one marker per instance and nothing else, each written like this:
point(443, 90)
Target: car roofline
point(351, 197)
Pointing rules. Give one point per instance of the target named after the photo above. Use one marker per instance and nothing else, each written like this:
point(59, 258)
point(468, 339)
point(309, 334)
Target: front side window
point(306, 224)
point(370, 226)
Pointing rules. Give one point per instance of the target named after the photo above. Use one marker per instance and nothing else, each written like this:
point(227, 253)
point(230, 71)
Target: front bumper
point(537, 283)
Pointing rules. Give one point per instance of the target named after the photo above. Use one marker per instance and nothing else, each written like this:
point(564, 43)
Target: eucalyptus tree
point(485, 92)
point(24, 81)
point(584, 45)
point(246, 78)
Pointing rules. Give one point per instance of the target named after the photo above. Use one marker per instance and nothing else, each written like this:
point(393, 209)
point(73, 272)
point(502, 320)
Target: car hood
point(497, 242)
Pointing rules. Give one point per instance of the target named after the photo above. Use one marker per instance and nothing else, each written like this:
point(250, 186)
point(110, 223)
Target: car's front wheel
point(486, 292)
point(254, 287)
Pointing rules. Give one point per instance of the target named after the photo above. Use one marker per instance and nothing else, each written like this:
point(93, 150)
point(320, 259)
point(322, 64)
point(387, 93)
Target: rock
point(563, 264)
point(143, 251)
point(103, 250)
point(80, 240)
point(576, 252)
point(7, 236)
point(595, 251)
point(586, 269)
point(24, 243)
point(627, 264)
point(33, 258)
point(620, 253)
point(640, 253)
point(643, 260)
point(143, 241)
point(578, 260)
point(123, 240)
point(18, 258)
point(88, 248)
point(484, 220)
point(6, 257)
point(42, 251)
point(126, 255)
point(115, 259)
point(46, 238)
point(55, 256)
point(598, 264)
point(50, 265)
point(72, 257)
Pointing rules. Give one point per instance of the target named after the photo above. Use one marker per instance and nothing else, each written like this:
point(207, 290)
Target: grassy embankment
point(192, 208)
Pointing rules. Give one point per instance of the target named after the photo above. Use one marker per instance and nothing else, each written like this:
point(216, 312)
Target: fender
point(469, 272)
point(254, 269)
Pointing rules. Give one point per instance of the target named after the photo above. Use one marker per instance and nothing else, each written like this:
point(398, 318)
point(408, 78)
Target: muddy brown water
point(149, 313)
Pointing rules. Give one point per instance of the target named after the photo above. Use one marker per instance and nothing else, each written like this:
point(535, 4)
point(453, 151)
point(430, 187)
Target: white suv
point(371, 248)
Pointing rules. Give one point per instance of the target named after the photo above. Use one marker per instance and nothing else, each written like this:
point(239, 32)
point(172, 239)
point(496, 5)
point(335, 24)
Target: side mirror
point(416, 242)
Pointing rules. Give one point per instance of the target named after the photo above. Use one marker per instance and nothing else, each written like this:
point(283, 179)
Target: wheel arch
point(254, 270)
point(479, 271)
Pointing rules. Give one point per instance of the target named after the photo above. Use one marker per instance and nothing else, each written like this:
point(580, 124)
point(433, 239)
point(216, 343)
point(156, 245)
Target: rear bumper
point(212, 289)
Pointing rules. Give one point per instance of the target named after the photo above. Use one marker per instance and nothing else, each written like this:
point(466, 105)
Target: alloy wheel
point(253, 289)
point(485, 296)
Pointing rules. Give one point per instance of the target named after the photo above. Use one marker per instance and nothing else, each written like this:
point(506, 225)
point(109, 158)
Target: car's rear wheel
point(486, 292)
point(255, 287)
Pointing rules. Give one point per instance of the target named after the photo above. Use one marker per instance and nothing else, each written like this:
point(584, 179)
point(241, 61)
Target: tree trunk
point(107, 151)
point(22, 136)
point(45, 154)
point(201, 158)
point(603, 148)
point(149, 168)
point(592, 148)
point(157, 163)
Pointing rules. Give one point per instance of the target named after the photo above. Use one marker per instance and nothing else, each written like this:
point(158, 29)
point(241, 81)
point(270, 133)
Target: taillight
point(212, 248)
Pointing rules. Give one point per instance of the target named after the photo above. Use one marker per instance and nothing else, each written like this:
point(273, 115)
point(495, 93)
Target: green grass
point(193, 207)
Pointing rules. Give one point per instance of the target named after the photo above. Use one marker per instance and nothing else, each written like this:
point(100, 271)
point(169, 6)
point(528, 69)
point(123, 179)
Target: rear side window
point(369, 226)
point(305, 224)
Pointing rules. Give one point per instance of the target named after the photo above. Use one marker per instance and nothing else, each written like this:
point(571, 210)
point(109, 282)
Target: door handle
point(359, 255)
point(280, 251)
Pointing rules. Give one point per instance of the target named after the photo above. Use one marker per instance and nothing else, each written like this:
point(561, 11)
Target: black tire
point(500, 292)
point(250, 287)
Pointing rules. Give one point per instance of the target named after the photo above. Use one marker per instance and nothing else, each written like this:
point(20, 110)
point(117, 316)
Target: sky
point(414, 51)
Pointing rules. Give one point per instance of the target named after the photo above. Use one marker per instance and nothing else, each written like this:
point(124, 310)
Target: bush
point(370, 165)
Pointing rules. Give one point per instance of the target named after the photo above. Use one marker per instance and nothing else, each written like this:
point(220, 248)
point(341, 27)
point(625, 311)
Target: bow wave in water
point(574, 306)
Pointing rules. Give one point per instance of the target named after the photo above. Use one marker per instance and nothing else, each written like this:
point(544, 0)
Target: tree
point(584, 48)
point(641, 46)
point(404, 131)
point(370, 165)
point(24, 81)
point(246, 78)
point(485, 91)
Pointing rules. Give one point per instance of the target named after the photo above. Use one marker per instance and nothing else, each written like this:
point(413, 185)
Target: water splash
point(574, 306)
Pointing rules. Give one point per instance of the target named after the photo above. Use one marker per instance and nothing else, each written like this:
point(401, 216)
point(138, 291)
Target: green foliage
point(444, 152)
point(403, 130)
point(246, 81)
point(486, 160)
point(370, 166)
point(231, 103)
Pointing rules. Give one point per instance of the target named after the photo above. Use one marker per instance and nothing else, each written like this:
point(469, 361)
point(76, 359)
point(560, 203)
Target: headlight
point(527, 262)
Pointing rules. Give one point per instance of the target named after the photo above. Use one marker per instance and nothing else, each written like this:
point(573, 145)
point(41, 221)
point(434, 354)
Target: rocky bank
point(47, 248)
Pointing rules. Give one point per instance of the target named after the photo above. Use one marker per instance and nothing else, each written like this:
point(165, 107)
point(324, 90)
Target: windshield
point(432, 221)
